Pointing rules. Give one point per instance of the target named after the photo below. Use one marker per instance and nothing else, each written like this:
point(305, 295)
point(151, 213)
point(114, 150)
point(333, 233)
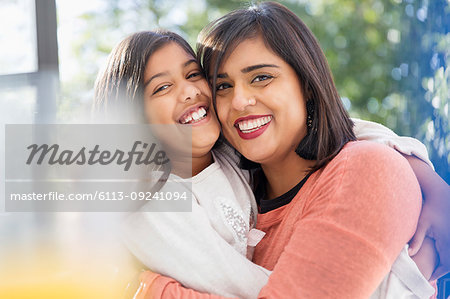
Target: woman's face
point(260, 103)
point(177, 93)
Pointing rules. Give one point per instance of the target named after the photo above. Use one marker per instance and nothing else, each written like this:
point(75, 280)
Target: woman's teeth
point(193, 116)
point(251, 125)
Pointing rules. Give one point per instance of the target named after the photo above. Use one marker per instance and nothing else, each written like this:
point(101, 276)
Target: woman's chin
point(257, 155)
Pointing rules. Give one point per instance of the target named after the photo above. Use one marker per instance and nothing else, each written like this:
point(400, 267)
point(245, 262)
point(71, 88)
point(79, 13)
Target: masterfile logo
point(101, 167)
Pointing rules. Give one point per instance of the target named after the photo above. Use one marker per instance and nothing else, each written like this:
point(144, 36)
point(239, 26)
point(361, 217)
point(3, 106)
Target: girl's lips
point(203, 120)
point(191, 114)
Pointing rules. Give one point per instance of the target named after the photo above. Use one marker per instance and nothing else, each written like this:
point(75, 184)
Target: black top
point(267, 205)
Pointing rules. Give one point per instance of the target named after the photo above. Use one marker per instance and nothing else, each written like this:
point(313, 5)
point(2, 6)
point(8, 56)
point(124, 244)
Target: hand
point(434, 220)
point(426, 258)
point(146, 280)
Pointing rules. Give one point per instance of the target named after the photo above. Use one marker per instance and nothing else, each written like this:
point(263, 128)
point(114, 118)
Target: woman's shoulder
point(369, 153)
point(371, 171)
point(362, 159)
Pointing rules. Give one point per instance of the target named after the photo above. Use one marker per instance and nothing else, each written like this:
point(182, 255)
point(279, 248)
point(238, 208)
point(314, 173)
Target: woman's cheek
point(221, 113)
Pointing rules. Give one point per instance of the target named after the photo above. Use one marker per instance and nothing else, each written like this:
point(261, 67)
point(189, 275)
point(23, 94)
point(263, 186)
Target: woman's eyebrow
point(248, 69)
point(257, 66)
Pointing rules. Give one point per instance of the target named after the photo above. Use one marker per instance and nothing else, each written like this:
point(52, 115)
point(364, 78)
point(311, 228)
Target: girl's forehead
point(171, 58)
point(168, 55)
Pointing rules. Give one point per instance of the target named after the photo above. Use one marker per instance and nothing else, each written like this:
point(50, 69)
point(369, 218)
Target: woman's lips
point(252, 126)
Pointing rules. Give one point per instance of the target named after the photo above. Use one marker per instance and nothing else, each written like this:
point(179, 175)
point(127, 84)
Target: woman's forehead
point(248, 52)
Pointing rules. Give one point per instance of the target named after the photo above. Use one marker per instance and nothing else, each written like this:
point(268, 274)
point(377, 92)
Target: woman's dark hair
point(121, 84)
point(285, 34)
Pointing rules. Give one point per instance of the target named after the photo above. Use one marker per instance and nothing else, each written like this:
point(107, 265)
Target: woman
point(325, 196)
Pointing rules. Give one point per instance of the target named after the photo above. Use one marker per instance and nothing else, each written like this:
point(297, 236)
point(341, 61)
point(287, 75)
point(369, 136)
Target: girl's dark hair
point(119, 88)
point(121, 84)
point(285, 34)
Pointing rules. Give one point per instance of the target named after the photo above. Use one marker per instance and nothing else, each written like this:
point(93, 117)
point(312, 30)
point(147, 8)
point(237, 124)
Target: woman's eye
point(260, 78)
point(222, 86)
point(161, 89)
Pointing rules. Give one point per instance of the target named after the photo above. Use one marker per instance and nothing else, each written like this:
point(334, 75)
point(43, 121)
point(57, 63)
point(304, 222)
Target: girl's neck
point(189, 167)
point(282, 176)
point(200, 163)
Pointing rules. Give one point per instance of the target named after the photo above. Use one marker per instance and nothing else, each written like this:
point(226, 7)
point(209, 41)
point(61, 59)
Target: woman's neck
point(282, 176)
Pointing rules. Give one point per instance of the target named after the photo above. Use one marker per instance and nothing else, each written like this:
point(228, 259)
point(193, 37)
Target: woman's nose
point(242, 98)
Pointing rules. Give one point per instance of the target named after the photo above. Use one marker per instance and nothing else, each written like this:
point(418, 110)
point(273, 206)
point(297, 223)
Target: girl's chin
point(205, 138)
point(201, 149)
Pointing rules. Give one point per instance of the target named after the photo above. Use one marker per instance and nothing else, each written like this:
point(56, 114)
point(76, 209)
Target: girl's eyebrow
point(166, 73)
point(248, 69)
point(155, 76)
point(189, 62)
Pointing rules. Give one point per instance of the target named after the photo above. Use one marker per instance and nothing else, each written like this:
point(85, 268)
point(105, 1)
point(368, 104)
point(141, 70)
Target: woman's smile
point(252, 126)
point(260, 103)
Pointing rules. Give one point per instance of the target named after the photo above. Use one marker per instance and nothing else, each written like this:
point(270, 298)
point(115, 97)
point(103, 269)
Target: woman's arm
point(154, 286)
point(355, 224)
point(434, 222)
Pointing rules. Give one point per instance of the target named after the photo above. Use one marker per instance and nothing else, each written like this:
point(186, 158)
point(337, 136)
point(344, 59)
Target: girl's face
point(177, 93)
point(260, 103)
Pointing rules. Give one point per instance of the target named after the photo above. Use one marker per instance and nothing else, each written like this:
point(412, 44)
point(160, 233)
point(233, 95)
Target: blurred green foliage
point(390, 58)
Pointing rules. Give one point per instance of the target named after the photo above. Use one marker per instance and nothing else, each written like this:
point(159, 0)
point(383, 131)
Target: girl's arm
point(434, 222)
point(374, 132)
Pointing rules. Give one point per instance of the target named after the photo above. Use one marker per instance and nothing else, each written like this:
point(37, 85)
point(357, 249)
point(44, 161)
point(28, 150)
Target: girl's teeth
point(195, 116)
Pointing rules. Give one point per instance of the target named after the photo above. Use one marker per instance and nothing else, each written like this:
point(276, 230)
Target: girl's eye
point(161, 89)
point(193, 75)
point(222, 86)
point(260, 78)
